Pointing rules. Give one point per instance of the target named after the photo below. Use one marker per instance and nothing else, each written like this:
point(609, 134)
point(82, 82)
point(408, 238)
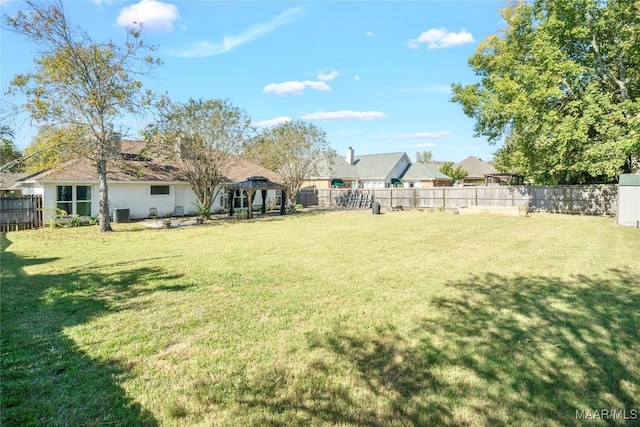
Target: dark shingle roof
point(141, 162)
point(476, 167)
point(7, 179)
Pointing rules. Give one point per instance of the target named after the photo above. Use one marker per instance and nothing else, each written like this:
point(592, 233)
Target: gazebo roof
point(256, 183)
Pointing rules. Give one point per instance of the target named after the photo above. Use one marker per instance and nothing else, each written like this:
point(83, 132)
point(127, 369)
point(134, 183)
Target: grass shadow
point(46, 378)
point(496, 351)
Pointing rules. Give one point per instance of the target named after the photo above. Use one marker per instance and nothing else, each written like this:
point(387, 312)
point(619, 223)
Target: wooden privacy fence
point(20, 212)
point(574, 199)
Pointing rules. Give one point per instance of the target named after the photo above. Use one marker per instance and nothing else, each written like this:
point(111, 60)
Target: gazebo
point(503, 179)
point(250, 186)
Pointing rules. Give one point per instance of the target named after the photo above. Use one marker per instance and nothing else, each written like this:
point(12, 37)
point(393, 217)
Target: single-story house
point(476, 169)
point(422, 175)
point(375, 171)
point(8, 180)
point(334, 173)
point(144, 182)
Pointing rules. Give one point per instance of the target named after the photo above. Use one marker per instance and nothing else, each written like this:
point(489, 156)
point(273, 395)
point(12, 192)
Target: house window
point(64, 199)
point(66, 202)
point(160, 190)
point(83, 200)
point(240, 199)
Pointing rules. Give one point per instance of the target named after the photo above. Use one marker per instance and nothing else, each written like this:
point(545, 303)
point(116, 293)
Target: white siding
point(31, 190)
point(136, 197)
point(372, 184)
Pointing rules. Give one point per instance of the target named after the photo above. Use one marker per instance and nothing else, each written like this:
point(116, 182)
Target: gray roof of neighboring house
point(339, 169)
point(420, 171)
point(8, 179)
point(377, 166)
point(476, 167)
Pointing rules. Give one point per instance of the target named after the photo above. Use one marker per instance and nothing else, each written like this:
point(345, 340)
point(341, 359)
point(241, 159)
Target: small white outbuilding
point(629, 200)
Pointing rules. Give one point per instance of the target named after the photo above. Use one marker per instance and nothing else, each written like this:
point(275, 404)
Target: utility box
point(629, 200)
point(120, 215)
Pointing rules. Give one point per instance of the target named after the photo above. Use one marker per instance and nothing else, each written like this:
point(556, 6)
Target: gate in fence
point(20, 212)
point(307, 197)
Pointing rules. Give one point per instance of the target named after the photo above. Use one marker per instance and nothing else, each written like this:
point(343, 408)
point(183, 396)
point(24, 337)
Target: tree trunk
point(292, 194)
point(103, 197)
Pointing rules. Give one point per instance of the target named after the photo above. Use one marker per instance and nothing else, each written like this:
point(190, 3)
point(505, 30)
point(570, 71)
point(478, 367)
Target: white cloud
point(206, 48)
point(326, 76)
point(415, 135)
point(345, 115)
point(370, 33)
point(294, 87)
point(356, 77)
point(441, 38)
point(273, 122)
point(317, 85)
point(424, 145)
point(152, 14)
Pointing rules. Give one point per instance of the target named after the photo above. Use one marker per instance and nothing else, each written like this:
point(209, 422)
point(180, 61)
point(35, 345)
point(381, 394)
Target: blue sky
point(375, 75)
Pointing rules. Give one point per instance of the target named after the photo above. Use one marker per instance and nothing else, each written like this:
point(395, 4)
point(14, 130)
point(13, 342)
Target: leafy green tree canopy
point(10, 156)
point(293, 150)
point(205, 138)
point(559, 89)
point(424, 156)
point(51, 146)
point(82, 85)
point(457, 174)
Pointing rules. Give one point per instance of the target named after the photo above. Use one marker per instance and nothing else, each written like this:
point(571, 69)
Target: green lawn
point(340, 318)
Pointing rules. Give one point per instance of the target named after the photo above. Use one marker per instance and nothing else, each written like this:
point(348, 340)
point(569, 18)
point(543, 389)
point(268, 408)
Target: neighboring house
point(382, 170)
point(375, 171)
point(8, 180)
point(476, 170)
point(143, 182)
point(338, 172)
point(422, 175)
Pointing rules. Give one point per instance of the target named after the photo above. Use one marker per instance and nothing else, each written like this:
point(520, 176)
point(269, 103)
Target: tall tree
point(204, 137)
point(10, 156)
point(293, 150)
point(51, 146)
point(457, 174)
point(82, 84)
point(559, 87)
point(424, 156)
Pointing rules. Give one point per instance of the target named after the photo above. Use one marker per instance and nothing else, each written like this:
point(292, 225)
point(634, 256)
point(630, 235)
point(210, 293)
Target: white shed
point(629, 200)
